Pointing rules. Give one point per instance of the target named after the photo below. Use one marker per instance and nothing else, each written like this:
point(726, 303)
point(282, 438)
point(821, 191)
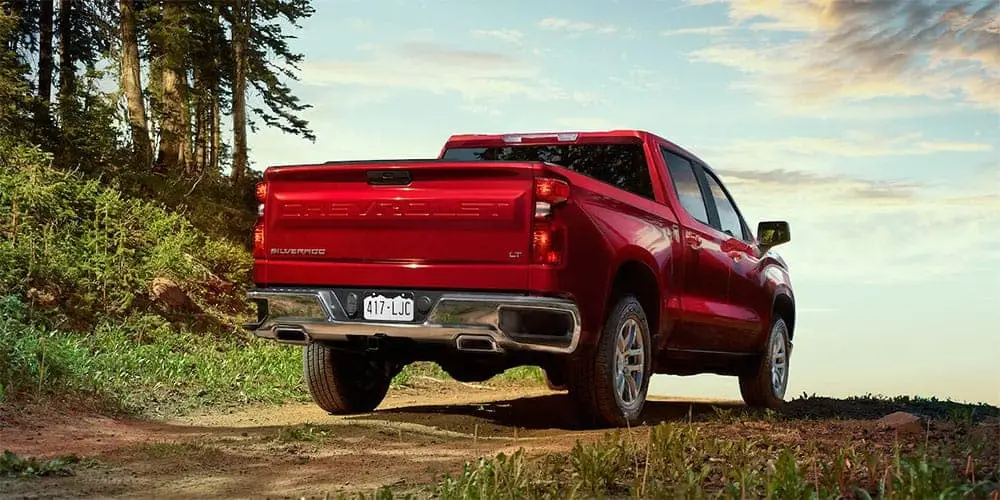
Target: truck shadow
point(555, 411)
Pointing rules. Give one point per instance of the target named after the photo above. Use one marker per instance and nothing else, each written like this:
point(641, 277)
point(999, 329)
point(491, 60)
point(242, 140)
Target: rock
point(166, 291)
point(902, 422)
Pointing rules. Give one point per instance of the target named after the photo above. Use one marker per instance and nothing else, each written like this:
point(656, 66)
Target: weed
point(12, 465)
point(301, 433)
point(677, 461)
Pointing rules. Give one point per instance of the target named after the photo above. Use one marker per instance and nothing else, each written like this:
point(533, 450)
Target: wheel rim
point(630, 364)
point(779, 359)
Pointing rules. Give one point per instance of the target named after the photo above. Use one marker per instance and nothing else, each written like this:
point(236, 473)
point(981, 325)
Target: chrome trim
point(320, 315)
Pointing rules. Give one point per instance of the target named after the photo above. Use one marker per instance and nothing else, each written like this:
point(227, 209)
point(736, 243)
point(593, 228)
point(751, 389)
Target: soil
point(293, 451)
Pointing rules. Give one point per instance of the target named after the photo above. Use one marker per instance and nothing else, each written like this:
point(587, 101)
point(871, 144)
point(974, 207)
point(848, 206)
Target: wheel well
point(637, 279)
point(784, 307)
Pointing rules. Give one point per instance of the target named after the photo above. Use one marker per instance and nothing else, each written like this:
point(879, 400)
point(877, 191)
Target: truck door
point(746, 294)
point(703, 270)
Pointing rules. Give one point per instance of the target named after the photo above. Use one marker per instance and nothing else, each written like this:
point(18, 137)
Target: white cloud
point(513, 37)
point(571, 26)
point(698, 31)
point(474, 75)
point(853, 229)
point(856, 51)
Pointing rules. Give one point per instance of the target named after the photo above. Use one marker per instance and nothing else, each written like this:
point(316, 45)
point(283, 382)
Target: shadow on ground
point(555, 411)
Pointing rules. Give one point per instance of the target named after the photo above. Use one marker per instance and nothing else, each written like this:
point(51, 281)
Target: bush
point(80, 251)
point(143, 364)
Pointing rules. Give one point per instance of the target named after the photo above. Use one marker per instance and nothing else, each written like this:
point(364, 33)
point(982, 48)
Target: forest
point(144, 89)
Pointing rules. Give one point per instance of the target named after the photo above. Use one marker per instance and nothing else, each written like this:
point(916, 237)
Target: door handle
point(736, 256)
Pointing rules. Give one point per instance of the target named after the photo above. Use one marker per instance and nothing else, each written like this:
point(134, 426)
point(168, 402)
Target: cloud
point(577, 27)
point(513, 37)
point(837, 188)
point(641, 80)
point(815, 154)
point(699, 31)
point(473, 74)
point(853, 230)
point(849, 50)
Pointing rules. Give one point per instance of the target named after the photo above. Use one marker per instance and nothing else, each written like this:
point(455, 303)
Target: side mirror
point(772, 233)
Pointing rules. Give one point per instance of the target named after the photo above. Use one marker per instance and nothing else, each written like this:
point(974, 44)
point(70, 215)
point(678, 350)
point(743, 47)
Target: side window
point(686, 185)
point(729, 219)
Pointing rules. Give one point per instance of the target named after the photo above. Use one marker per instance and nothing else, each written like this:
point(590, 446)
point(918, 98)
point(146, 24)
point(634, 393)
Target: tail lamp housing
point(548, 236)
point(258, 228)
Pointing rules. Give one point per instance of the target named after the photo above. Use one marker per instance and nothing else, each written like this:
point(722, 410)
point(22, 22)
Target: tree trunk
point(240, 40)
point(132, 85)
point(45, 52)
point(174, 134)
point(216, 130)
point(67, 69)
point(201, 121)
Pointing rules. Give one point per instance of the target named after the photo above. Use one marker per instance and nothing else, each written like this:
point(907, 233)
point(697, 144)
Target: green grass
point(521, 375)
point(12, 465)
point(675, 460)
point(144, 365)
point(303, 433)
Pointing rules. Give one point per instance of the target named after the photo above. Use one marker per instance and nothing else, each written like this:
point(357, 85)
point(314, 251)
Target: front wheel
point(609, 386)
point(343, 382)
point(765, 386)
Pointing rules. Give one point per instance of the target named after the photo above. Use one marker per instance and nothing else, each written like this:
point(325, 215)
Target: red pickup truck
point(603, 257)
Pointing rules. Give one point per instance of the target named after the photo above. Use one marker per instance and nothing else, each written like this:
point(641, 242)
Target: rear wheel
point(555, 378)
point(609, 386)
point(343, 382)
point(765, 386)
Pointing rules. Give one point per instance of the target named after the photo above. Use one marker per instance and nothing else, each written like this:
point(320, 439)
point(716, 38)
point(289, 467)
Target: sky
point(873, 127)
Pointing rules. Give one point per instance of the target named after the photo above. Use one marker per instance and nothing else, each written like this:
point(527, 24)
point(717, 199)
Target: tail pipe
point(476, 343)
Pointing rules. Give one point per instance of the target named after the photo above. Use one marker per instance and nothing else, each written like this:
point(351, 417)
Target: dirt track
point(416, 436)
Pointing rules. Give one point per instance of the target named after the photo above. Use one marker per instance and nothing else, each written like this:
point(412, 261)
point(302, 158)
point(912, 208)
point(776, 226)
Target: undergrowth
point(12, 465)
point(675, 460)
point(81, 252)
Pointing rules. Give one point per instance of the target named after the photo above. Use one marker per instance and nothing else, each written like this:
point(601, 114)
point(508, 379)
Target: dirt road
point(415, 437)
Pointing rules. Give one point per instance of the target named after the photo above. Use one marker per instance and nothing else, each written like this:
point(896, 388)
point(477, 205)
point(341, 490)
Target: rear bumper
point(478, 322)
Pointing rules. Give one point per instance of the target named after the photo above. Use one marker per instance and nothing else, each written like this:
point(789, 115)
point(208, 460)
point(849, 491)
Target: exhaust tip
point(291, 335)
point(476, 343)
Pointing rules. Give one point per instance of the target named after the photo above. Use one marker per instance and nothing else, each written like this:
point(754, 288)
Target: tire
point(343, 382)
point(765, 386)
point(555, 378)
point(595, 383)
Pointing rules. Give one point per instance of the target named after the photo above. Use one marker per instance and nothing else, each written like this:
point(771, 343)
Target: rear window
point(620, 165)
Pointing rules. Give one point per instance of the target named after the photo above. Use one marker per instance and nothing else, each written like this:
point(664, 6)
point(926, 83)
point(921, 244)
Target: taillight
point(258, 240)
point(547, 235)
point(548, 193)
point(258, 228)
point(547, 244)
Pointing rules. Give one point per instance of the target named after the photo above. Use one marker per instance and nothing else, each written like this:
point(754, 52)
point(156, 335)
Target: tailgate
point(408, 214)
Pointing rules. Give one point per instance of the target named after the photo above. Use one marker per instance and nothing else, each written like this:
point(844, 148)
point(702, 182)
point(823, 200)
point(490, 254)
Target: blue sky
point(873, 128)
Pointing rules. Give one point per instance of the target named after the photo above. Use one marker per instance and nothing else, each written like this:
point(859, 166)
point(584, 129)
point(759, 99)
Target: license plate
point(382, 308)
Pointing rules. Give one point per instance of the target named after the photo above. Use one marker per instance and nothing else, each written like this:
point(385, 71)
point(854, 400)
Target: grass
point(521, 375)
point(143, 365)
point(12, 465)
point(679, 460)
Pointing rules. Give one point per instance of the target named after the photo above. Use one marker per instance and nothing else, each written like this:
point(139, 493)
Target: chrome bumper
point(470, 321)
